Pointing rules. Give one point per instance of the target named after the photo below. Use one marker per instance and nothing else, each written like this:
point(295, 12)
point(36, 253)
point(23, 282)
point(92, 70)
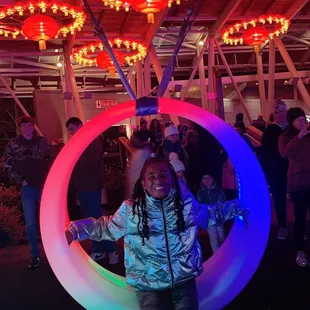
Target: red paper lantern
point(255, 36)
point(40, 28)
point(149, 7)
point(104, 61)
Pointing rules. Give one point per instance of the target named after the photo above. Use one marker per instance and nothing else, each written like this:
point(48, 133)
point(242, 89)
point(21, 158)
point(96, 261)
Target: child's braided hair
point(139, 204)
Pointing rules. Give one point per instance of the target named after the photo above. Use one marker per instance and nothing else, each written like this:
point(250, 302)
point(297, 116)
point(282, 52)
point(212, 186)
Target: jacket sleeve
point(93, 155)
point(9, 162)
point(288, 146)
point(216, 215)
point(109, 228)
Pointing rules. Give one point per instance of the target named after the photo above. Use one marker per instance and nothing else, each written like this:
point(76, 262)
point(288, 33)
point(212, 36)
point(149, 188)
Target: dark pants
point(278, 185)
point(91, 206)
point(301, 200)
point(30, 197)
point(182, 297)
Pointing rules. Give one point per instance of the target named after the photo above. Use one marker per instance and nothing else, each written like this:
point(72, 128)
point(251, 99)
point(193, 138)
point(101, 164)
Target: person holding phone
point(294, 144)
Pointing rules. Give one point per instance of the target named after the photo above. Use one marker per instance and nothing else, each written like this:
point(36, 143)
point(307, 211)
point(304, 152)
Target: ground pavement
point(278, 283)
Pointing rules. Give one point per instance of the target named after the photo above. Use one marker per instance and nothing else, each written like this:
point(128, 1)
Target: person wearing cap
point(275, 166)
point(172, 144)
point(26, 161)
point(294, 145)
point(178, 166)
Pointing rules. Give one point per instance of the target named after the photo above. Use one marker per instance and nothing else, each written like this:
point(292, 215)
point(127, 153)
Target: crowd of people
point(197, 158)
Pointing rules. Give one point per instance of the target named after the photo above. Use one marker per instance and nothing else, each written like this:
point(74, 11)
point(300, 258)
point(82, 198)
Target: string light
point(76, 16)
point(280, 24)
point(134, 51)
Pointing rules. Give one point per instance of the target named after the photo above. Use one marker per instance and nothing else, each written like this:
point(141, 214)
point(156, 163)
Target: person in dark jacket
point(294, 145)
point(87, 182)
point(275, 166)
point(239, 122)
point(26, 160)
point(259, 123)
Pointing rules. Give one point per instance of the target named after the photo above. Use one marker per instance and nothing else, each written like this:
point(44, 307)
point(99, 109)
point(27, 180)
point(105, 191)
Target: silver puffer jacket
point(167, 258)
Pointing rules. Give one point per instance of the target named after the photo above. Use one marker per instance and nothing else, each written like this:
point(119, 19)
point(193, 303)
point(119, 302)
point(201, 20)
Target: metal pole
point(99, 30)
point(211, 86)
point(271, 79)
point(261, 84)
point(75, 92)
point(6, 85)
point(202, 79)
point(247, 113)
point(291, 68)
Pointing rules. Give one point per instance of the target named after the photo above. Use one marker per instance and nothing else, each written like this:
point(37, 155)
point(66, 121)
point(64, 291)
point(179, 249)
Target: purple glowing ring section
point(225, 273)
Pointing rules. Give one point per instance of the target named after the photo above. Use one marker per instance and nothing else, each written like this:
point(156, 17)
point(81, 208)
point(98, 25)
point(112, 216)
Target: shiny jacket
point(167, 258)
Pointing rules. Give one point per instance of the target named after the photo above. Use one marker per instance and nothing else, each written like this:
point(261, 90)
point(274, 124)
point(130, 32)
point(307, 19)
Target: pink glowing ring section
point(225, 273)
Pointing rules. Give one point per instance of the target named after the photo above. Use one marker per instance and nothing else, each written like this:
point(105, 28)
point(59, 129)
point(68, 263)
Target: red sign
point(105, 104)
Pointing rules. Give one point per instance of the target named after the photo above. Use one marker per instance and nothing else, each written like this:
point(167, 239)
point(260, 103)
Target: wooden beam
point(295, 8)
point(271, 80)
point(261, 85)
point(174, 40)
point(297, 39)
point(294, 73)
point(304, 58)
point(147, 75)
point(12, 93)
point(211, 84)
point(33, 63)
point(229, 9)
point(202, 78)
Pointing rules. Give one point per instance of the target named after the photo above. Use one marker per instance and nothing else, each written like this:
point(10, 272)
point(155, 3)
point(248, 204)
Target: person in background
point(259, 123)
point(239, 128)
point(275, 166)
point(211, 194)
point(294, 145)
point(157, 135)
point(172, 144)
point(271, 119)
point(87, 181)
point(240, 123)
point(178, 167)
point(26, 161)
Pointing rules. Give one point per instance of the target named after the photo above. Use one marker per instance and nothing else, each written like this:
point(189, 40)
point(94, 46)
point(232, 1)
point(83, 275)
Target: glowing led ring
point(278, 24)
point(45, 7)
point(137, 51)
point(225, 273)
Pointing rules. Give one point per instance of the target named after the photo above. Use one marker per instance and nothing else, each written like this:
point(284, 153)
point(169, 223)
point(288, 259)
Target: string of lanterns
point(126, 51)
point(148, 7)
point(256, 31)
point(40, 25)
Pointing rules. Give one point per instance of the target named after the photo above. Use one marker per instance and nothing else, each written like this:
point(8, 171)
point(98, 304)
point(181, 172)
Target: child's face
point(157, 180)
point(207, 181)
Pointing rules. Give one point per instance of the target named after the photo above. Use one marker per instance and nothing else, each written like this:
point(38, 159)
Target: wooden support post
point(211, 84)
point(291, 68)
point(247, 113)
point(261, 85)
point(7, 86)
point(202, 79)
point(140, 84)
point(190, 81)
point(75, 92)
point(219, 93)
point(147, 75)
point(271, 80)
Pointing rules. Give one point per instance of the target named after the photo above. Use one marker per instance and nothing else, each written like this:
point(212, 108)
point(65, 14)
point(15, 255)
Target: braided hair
point(139, 201)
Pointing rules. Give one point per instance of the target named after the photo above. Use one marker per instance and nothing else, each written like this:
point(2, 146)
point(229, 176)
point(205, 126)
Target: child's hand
point(69, 237)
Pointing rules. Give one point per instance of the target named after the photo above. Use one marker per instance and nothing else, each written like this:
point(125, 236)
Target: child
point(159, 225)
point(210, 194)
point(178, 166)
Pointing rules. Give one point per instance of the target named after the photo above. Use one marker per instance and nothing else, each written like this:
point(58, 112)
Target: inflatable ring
point(225, 274)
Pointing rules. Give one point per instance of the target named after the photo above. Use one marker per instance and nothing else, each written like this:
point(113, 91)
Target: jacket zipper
point(167, 245)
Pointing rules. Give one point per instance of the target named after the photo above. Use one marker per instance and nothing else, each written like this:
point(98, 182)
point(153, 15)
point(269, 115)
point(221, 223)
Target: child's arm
point(216, 215)
point(109, 228)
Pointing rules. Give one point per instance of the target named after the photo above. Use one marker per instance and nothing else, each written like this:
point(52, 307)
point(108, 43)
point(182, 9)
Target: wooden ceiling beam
point(228, 10)
point(174, 40)
point(295, 8)
point(304, 58)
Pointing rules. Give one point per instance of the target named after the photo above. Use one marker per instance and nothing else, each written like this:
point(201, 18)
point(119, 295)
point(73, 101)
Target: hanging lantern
point(149, 7)
point(104, 61)
point(50, 20)
point(40, 28)
point(256, 31)
point(255, 36)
